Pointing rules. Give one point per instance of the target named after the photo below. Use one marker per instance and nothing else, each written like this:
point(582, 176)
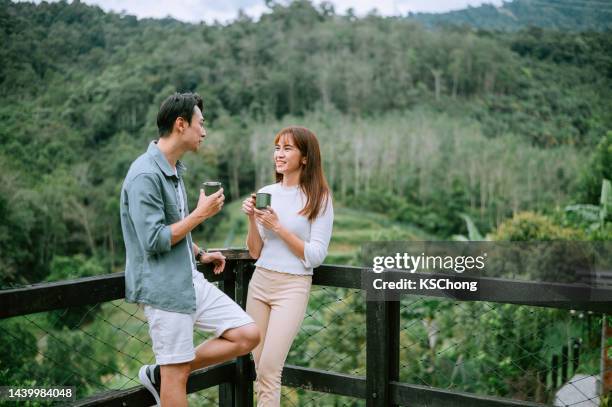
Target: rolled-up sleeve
point(146, 208)
point(315, 250)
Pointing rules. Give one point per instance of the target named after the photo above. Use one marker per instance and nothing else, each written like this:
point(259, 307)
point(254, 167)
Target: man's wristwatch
point(201, 253)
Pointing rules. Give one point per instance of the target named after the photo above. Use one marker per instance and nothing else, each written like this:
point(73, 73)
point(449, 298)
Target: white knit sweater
point(275, 254)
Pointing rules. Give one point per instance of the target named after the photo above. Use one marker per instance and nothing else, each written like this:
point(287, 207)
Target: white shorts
point(172, 332)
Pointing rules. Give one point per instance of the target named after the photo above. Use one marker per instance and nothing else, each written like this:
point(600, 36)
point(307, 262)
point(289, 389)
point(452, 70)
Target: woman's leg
point(285, 319)
point(259, 310)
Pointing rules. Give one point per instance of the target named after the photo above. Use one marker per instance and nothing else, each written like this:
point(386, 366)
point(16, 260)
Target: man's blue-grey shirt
point(156, 273)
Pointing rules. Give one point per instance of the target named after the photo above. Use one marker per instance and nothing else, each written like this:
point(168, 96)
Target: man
point(160, 270)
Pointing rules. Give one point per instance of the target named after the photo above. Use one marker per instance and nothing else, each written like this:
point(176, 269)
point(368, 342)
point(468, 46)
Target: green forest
point(432, 127)
point(513, 15)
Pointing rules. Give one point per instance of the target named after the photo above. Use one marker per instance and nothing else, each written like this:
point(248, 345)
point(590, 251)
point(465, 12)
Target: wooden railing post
point(245, 372)
point(606, 355)
point(575, 355)
point(555, 372)
point(564, 364)
point(382, 351)
point(227, 391)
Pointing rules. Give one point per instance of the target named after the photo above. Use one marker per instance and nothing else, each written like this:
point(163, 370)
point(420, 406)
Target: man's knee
point(246, 337)
point(251, 337)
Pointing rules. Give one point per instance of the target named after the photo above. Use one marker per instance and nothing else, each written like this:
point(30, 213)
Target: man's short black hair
point(175, 106)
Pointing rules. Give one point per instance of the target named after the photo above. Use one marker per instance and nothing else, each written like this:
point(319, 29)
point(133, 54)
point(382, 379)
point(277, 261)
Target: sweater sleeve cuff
point(313, 255)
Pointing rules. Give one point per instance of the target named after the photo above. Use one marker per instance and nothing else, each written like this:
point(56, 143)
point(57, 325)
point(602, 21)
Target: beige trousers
point(277, 303)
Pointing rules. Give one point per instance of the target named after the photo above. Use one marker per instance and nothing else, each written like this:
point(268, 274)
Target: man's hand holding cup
point(209, 206)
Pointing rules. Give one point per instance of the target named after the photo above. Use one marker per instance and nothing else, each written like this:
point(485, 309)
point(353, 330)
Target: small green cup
point(210, 187)
point(263, 200)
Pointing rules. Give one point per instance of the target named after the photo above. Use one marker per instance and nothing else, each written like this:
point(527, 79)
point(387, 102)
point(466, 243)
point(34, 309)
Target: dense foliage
point(80, 89)
point(513, 15)
point(426, 126)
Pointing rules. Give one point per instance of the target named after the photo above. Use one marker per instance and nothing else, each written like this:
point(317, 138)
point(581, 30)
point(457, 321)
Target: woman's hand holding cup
point(248, 206)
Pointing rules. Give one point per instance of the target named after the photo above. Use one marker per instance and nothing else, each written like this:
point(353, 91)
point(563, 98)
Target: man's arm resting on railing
point(216, 258)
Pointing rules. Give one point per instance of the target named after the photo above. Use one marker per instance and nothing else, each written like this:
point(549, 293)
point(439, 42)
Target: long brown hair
point(312, 179)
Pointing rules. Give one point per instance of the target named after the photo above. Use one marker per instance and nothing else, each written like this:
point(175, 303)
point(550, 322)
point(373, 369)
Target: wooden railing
point(379, 387)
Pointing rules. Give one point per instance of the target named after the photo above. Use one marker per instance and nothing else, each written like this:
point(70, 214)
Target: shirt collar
point(162, 162)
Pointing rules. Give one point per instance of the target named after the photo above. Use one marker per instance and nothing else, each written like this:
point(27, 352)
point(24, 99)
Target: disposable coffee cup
point(210, 187)
point(263, 200)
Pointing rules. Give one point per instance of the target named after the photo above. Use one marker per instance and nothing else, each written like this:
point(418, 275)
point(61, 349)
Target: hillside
point(420, 129)
point(413, 123)
point(573, 15)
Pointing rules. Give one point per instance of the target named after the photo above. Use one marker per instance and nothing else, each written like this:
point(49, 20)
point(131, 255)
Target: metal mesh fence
point(520, 352)
point(95, 348)
point(332, 337)
point(291, 397)
point(526, 353)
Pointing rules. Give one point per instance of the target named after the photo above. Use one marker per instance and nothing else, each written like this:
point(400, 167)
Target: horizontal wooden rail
point(312, 380)
point(109, 287)
point(337, 276)
point(89, 290)
point(422, 396)
point(401, 393)
point(324, 381)
point(139, 396)
point(577, 296)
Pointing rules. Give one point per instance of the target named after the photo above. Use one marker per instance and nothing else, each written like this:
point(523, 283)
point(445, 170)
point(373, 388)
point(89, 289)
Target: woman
point(288, 239)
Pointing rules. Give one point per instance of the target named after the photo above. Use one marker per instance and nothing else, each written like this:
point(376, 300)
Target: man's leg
point(174, 384)
point(233, 343)
point(172, 338)
point(236, 333)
